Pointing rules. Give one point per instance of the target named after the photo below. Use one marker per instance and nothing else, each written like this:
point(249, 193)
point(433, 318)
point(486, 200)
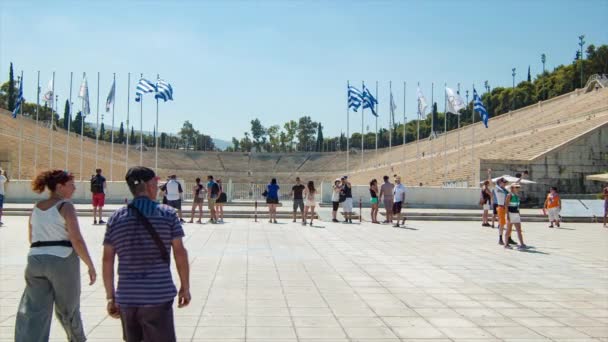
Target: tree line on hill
point(305, 134)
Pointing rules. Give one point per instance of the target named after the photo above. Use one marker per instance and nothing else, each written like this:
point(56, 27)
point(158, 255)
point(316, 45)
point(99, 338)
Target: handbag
point(153, 234)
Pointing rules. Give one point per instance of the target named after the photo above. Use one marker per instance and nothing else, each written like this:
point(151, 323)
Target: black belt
point(63, 243)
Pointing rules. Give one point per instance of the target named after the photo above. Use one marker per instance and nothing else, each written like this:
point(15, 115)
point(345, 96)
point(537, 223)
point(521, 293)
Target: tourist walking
point(52, 274)
point(3, 180)
point(142, 235)
point(335, 199)
point(373, 192)
point(553, 206)
point(174, 192)
point(512, 202)
point(298, 199)
point(386, 195)
point(98, 191)
point(213, 191)
point(198, 197)
point(605, 193)
point(272, 199)
point(222, 198)
point(486, 203)
point(347, 205)
point(309, 205)
point(398, 200)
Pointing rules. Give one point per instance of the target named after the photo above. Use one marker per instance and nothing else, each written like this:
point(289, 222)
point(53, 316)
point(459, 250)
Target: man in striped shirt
point(145, 293)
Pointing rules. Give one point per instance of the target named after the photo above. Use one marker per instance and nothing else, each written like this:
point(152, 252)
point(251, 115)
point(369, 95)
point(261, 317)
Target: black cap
point(139, 174)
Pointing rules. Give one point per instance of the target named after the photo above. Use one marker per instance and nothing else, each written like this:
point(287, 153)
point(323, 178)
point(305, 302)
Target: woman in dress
point(272, 199)
point(52, 274)
point(373, 191)
point(309, 201)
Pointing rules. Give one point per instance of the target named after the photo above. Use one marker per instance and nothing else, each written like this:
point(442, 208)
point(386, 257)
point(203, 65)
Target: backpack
point(215, 189)
point(96, 185)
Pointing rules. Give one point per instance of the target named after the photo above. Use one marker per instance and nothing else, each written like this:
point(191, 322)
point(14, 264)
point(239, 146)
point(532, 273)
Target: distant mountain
point(221, 144)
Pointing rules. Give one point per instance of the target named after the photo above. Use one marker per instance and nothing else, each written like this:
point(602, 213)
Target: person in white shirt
point(3, 179)
point(174, 191)
point(399, 199)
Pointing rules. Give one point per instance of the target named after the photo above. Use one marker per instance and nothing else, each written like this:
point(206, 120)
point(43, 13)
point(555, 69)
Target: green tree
point(11, 91)
point(319, 137)
point(258, 133)
point(274, 140)
point(188, 134)
point(236, 144)
point(66, 115)
point(102, 132)
point(291, 128)
point(77, 123)
point(529, 76)
point(121, 134)
point(132, 138)
point(163, 140)
point(246, 143)
point(306, 132)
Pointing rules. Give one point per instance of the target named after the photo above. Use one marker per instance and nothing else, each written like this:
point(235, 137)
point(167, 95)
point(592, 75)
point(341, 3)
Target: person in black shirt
point(98, 187)
point(298, 199)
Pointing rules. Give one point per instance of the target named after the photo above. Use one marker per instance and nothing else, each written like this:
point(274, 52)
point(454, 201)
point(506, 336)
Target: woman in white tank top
point(52, 273)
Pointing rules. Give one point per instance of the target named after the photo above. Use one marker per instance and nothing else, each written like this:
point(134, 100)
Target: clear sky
point(232, 61)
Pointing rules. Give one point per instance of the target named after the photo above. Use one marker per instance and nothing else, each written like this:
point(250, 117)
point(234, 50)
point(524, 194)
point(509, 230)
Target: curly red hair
point(50, 179)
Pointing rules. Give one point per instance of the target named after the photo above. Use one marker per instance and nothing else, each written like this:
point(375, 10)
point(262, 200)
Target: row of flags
point(357, 98)
point(162, 89)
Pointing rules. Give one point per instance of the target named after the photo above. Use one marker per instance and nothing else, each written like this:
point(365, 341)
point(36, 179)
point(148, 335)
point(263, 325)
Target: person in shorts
point(98, 191)
point(213, 191)
point(3, 180)
point(512, 202)
point(347, 205)
point(553, 205)
point(398, 200)
point(500, 194)
point(222, 198)
point(335, 199)
point(373, 193)
point(386, 195)
point(198, 197)
point(272, 199)
point(174, 192)
point(298, 199)
point(486, 202)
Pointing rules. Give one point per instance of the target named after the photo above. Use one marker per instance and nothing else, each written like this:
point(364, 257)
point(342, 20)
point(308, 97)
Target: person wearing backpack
point(98, 191)
point(213, 192)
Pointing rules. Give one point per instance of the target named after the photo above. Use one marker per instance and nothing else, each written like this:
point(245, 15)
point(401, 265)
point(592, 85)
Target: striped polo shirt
point(144, 278)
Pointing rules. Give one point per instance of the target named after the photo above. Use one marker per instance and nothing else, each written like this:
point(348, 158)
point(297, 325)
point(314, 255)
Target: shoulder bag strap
point(153, 234)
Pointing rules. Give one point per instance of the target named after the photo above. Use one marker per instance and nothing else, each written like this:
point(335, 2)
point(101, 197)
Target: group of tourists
point(141, 235)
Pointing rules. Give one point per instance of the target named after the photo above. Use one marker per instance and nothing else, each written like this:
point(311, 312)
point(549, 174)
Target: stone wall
point(565, 167)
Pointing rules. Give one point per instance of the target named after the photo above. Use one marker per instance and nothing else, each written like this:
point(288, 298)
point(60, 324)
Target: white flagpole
point(67, 145)
point(377, 120)
point(418, 131)
point(431, 137)
point(458, 143)
point(347, 127)
point(141, 127)
point(362, 116)
point(97, 129)
point(156, 133)
point(128, 127)
point(404, 123)
point(112, 134)
point(37, 136)
point(391, 124)
point(82, 116)
point(51, 125)
point(445, 134)
point(473, 141)
point(20, 124)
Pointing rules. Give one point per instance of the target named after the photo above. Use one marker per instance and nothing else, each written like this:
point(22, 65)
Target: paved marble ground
point(435, 281)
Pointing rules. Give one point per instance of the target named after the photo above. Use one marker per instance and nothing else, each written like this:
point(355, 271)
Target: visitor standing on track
point(52, 274)
point(98, 191)
point(142, 235)
point(486, 202)
point(347, 205)
point(512, 203)
point(335, 199)
point(3, 180)
point(213, 191)
point(605, 205)
point(272, 199)
point(553, 206)
point(309, 206)
point(373, 192)
point(399, 200)
point(198, 197)
point(174, 192)
point(222, 198)
point(298, 199)
point(500, 194)
point(386, 195)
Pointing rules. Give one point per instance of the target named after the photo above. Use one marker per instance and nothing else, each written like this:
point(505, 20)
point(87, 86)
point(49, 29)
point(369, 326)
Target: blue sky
point(232, 61)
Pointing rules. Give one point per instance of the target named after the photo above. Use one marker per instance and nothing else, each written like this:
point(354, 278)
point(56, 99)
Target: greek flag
point(422, 105)
point(19, 100)
point(111, 95)
point(354, 98)
point(478, 107)
point(163, 91)
point(369, 101)
point(143, 87)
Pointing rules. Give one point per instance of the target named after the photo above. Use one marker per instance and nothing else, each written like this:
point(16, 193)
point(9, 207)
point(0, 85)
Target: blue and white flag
point(369, 101)
point(354, 98)
point(143, 87)
point(422, 105)
point(19, 100)
point(478, 107)
point(84, 95)
point(164, 91)
point(111, 96)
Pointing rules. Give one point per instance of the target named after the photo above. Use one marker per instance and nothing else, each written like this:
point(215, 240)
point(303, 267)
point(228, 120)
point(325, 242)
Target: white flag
point(455, 101)
point(393, 108)
point(47, 97)
point(110, 99)
point(421, 103)
point(84, 95)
